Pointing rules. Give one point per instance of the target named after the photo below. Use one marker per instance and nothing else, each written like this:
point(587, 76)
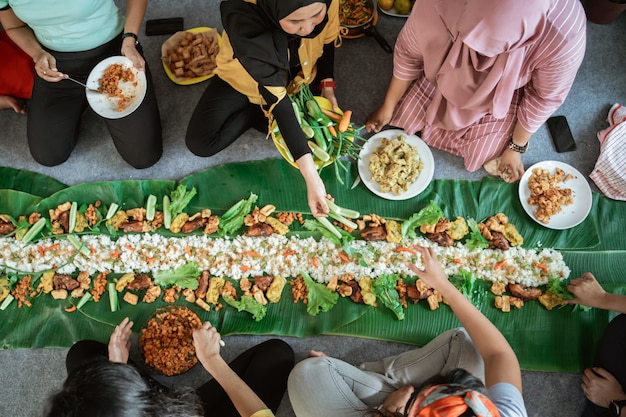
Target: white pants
point(331, 387)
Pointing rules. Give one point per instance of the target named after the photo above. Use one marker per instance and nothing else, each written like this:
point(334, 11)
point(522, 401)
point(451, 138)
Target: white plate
point(426, 156)
point(106, 106)
point(569, 216)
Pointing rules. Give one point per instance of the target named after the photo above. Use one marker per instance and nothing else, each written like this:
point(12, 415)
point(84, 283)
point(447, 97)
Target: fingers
point(316, 354)
point(207, 326)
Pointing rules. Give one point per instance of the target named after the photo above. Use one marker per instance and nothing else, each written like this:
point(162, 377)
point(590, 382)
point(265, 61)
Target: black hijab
point(257, 39)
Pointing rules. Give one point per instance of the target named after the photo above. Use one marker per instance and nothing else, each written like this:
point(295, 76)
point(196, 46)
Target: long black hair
point(110, 389)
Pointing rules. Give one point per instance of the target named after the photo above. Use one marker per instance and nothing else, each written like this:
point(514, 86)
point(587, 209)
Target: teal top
point(69, 25)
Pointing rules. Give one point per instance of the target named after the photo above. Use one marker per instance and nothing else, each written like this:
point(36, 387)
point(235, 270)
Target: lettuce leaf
point(248, 304)
point(428, 215)
point(471, 287)
point(384, 287)
point(185, 276)
point(320, 297)
point(179, 198)
point(232, 220)
point(475, 240)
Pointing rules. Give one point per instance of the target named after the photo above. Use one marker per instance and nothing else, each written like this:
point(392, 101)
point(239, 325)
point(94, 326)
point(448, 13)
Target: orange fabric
point(446, 401)
point(16, 70)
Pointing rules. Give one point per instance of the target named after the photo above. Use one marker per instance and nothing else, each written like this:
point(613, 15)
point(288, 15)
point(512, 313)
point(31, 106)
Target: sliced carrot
point(315, 261)
point(405, 249)
point(51, 247)
point(345, 121)
point(458, 261)
point(149, 260)
point(499, 264)
point(92, 249)
point(41, 251)
point(127, 246)
point(332, 131)
point(244, 267)
point(187, 250)
point(115, 254)
point(344, 257)
point(334, 116)
point(291, 252)
point(253, 254)
point(70, 309)
point(543, 267)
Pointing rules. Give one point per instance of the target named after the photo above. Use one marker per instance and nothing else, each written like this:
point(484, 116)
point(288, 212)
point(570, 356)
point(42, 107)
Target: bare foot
point(316, 354)
point(9, 102)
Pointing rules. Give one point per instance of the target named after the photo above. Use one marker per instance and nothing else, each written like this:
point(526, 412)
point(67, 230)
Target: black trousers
point(221, 116)
point(264, 367)
point(55, 109)
point(611, 356)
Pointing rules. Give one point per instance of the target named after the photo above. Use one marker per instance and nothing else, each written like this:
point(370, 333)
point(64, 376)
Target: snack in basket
point(395, 165)
point(191, 54)
point(166, 342)
point(109, 84)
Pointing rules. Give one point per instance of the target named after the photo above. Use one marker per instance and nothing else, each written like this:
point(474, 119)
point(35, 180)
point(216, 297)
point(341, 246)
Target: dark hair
point(110, 389)
point(457, 376)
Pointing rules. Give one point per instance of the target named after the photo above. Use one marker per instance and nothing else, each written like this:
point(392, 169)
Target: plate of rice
point(121, 87)
point(396, 166)
point(166, 341)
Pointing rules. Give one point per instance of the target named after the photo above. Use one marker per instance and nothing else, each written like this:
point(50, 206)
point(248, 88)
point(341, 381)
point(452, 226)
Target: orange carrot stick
point(332, 115)
point(70, 309)
point(344, 257)
point(253, 254)
point(405, 249)
point(115, 254)
point(315, 261)
point(499, 264)
point(291, 252)
point(543, 267)
point(345, 121)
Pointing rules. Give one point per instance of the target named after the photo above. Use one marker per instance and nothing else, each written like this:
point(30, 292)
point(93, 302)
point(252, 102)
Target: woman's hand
point(329, 94)
point(46, 67)
point(119, 344)
point(206, 340)
point(378, 119)
point(316, 191)
point(129, 50)
point(600, 387)
point(433, 274)
point(587, 290)
point(511, 165)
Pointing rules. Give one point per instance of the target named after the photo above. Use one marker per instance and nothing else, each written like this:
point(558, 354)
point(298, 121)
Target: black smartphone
point(561, 134)
point(164, 26)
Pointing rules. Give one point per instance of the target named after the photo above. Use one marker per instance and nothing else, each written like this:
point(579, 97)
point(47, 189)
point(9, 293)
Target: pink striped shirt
point(545, 76)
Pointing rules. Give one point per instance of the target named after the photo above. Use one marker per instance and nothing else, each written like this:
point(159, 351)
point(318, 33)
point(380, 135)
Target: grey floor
point(362, 73)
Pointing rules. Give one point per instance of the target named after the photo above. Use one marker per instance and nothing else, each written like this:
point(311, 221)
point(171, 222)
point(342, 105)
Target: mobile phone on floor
point(164, 26)
point(561, 134)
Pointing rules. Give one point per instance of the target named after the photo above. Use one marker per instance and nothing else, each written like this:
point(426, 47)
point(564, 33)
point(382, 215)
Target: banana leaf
point(17, 203)
point(538, 336)
point(28, 182)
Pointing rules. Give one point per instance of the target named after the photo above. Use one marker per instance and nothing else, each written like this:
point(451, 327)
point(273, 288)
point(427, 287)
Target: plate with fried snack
point(555, 195)
point(396, 166)
point(119, 87)
point(166, 340)
point(189, 56)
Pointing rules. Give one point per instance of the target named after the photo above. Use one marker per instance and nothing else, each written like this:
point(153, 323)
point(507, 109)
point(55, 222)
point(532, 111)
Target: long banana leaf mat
point(561, 339)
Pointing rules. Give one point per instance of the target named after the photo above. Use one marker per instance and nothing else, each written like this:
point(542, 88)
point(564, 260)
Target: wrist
point(130, 35)
point(327, 83)
point(517, 147)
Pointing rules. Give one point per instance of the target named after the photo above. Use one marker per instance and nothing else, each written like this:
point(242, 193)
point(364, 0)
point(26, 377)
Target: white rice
point(247, 257)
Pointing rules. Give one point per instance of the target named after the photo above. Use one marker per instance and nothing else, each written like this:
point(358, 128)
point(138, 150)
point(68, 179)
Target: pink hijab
point(474, 52)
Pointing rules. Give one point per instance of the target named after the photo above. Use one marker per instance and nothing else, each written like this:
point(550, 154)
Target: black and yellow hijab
point(257, 39)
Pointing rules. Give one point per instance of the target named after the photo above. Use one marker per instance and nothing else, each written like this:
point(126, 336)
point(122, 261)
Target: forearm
point(308, 169)
point(395, 91)
point(135, 12)
point(521, 136)
point(243, 397)
point(608, 301)
point(21, 34)
point(501, 364)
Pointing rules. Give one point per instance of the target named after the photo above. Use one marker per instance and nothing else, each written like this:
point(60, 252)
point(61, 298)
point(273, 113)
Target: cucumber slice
point(111, 212)
point(319, 153)
point(327, 224)
point(352, 214)
point(113, 302)
point(167, 214)
point(151, 207)
point(34, 230)
point(343, 220)
point(79, 245)
point(83, 300)
point(6, 302)
point(73, 212)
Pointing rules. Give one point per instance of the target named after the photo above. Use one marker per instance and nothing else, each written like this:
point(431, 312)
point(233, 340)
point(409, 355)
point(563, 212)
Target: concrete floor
point(362, 73)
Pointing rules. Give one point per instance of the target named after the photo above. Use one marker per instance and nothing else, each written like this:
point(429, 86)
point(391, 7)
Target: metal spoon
point(78, 82)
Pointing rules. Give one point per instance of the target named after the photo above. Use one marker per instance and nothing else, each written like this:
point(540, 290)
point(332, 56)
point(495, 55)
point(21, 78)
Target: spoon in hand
point(78, 82)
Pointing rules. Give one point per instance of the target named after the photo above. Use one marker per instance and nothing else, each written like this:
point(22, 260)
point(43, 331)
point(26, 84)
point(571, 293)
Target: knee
point(145, 160)
point(281, 351)
point(199, 144)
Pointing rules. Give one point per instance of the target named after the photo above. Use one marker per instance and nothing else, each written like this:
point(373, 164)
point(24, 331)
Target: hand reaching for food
point(207, 342)
point(119, 344)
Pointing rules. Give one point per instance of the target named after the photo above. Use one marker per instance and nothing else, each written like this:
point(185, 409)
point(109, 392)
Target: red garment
point(16, 69)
